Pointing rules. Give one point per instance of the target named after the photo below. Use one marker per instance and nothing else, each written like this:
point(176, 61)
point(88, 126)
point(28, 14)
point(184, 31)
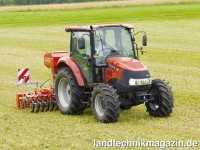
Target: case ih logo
point(23, 76)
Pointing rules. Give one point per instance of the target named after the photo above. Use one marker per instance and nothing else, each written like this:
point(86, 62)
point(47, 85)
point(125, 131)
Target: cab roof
point(95, 27)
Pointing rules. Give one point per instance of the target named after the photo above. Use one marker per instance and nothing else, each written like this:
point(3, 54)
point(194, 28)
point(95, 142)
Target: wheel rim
point(154, 105)
point(100, 105)
point(64, 92)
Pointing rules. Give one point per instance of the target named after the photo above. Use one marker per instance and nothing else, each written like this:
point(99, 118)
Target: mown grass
point(173, 54)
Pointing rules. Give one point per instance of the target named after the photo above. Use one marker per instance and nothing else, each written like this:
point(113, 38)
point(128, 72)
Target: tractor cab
point(92, 46)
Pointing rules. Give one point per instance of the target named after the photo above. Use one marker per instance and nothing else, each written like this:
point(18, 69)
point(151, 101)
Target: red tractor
point(102, 70)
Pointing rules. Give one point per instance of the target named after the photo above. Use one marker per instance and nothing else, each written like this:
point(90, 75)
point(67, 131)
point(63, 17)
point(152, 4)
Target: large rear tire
point(105, 103)
point(68, 93)
point(163, 99)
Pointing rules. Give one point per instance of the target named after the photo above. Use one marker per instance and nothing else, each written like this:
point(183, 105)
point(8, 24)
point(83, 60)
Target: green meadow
point(173, 54)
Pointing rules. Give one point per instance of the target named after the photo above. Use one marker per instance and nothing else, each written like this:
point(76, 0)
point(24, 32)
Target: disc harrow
point(38, 101)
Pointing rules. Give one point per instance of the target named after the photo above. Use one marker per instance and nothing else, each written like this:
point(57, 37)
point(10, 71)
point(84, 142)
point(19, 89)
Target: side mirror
point(81, 43)
point(144, 40)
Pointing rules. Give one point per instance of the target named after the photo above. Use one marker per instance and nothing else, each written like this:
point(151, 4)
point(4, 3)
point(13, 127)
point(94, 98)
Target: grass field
point(88, 5)
point(173, 54)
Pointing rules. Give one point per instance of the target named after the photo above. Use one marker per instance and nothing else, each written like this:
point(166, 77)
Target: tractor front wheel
point(105, 103)
point(162, 103)
point(68, 93)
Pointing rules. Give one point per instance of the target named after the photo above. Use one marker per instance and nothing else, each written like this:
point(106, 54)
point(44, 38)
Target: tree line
point(33, 2)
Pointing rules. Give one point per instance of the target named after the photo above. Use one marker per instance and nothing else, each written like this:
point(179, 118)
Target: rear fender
point(71, 63)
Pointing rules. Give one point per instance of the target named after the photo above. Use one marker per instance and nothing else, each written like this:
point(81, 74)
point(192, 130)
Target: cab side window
point(80, 42)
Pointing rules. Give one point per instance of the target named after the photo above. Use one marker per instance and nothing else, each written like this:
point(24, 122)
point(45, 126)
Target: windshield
point(117, 39)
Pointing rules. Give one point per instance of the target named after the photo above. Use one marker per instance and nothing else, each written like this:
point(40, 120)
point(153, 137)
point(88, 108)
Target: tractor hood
point(125, 63)
point(127, 73)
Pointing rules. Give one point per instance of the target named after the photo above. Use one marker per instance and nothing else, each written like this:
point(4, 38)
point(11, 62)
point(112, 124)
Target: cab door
point(81, 52)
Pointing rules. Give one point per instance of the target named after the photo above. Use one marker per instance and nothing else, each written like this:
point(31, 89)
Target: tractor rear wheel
point(68, 93)
point(162, 104)
point(105, 103)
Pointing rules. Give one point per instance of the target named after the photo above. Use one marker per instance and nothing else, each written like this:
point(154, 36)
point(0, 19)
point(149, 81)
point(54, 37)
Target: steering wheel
point(105, 52)
point(102, 54)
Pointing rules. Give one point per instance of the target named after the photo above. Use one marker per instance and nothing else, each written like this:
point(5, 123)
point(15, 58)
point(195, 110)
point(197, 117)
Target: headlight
point(145, 81)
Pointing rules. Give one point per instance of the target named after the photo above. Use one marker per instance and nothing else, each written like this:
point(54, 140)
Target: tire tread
point(166, 99)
